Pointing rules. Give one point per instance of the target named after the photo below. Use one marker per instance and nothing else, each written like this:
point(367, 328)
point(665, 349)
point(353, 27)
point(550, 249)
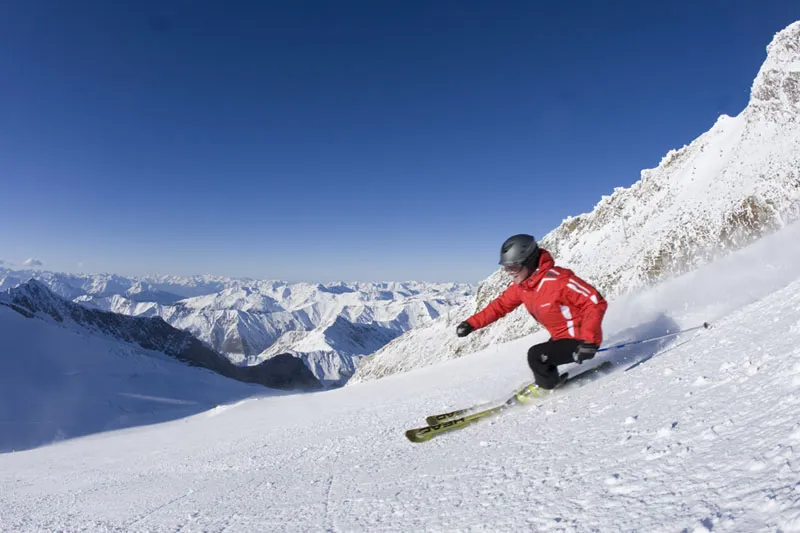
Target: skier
point(569, 308)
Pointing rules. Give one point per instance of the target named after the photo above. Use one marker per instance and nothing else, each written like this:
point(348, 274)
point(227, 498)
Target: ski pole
point(705, 325)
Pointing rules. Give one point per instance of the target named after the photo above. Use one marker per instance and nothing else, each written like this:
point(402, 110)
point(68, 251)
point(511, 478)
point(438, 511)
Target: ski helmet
point(519, 250)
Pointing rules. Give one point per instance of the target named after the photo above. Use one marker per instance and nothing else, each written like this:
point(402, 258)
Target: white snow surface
point(703, 436)
point(61, 380)
point(733, 184)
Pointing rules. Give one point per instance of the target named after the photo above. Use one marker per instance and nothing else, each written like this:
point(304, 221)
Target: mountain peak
point(36, 296)
point(733, 184)
point(777, 85)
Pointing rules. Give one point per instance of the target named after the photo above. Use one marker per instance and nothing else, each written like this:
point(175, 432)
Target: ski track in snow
point(705, 436)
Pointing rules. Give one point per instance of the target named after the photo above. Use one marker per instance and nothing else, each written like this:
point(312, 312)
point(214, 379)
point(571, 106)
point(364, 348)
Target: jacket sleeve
point(590, 306)
point(498, 308)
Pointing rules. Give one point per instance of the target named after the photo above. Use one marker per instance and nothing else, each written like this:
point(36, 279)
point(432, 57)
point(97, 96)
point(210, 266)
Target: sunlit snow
point(703, 436)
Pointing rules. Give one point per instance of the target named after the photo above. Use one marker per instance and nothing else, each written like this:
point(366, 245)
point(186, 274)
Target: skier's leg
point(544, 359)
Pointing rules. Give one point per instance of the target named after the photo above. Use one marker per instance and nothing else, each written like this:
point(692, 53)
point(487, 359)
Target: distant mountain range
point(87, 353)
point(34, 300)
point(69, 371)
point(327, 326)
point(733, 184)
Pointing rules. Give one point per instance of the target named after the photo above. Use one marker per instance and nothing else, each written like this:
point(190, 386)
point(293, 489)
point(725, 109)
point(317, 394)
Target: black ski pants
point(544, 359)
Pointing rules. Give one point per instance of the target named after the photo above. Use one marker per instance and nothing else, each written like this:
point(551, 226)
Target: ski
point(446, 422)
point(444, 417)
point(428, 432)
point(566, 378)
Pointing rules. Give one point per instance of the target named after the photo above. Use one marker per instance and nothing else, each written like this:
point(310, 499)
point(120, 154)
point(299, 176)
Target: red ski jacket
point(567, 306)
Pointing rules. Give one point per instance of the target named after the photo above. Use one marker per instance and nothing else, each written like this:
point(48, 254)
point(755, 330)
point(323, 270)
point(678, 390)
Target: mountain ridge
point(736, 182)
point(34, 299)
point(247, 319)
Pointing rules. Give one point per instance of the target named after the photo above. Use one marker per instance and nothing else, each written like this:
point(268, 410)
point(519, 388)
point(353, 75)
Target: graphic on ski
point(446, 422)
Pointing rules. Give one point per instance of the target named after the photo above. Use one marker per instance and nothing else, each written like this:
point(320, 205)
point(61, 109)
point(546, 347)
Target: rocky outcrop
point(732, 185)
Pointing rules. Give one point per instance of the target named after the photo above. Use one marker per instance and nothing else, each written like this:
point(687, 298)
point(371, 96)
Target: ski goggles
point(513, 269)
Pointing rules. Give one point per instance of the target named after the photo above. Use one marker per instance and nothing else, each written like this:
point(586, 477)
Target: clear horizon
point(349, 141)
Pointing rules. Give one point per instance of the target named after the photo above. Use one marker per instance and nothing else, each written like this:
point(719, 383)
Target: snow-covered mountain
point(329, 326)
point(69, 371)
point(34, 300)
point(703, 436)
point(733, 184)
point(72, 286)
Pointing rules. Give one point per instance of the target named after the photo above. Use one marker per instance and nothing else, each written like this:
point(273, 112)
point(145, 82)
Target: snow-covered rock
point(733, 184)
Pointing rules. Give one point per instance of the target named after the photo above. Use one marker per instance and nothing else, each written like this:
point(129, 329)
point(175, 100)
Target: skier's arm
point(590, 307)
point(498, 308)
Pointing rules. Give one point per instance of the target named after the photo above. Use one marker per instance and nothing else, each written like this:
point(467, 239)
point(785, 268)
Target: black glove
point(584, 351)
point(464, 329)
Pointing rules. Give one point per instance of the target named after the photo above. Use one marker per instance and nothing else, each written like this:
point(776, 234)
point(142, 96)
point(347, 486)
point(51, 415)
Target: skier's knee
point(535, 359)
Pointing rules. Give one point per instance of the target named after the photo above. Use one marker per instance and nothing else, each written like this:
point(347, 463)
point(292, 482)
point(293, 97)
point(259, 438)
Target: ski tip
point(414, 436)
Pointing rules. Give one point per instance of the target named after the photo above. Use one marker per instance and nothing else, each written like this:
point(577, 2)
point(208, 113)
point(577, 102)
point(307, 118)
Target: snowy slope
point(734, 183)
point(60, 381)
point(704, 436)
point(68, 370)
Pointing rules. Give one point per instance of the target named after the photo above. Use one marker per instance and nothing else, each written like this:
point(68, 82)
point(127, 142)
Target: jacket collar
point(546, 262)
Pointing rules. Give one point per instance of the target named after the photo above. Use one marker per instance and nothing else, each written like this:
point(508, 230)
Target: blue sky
point(344, 140)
